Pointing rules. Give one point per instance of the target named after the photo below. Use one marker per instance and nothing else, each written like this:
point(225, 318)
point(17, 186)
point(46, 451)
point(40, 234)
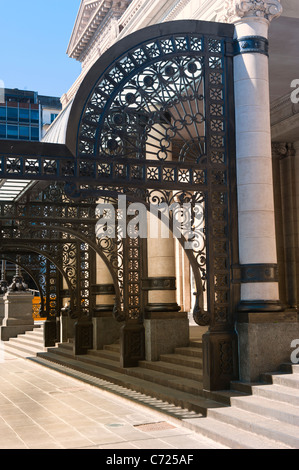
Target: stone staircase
point(26, 345)
point(254, 416)
point(176, 378)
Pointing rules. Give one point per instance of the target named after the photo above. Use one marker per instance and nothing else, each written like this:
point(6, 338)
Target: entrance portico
point(154, 120)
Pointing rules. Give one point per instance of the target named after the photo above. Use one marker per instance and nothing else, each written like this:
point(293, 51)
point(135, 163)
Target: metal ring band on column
point(251, 44)
point(265, 272)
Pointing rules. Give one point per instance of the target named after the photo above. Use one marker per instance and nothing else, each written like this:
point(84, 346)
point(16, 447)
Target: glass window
point(34, 115)
point(2, 113)
point(53, 117)
point(2, 131)
point(34, 133)
point(24, 115)
point(24, 132)
point(12, 114)
point(12, 132)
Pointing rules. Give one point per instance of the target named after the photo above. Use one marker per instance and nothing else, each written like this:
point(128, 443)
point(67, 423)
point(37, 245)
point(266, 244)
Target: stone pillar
point(165, 326)
point(106, 329)
point(17, 309)
point(3, 289)
point(263, 328)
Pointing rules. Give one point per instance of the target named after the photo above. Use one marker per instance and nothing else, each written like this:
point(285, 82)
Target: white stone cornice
point(90, 17)
point(234, 10)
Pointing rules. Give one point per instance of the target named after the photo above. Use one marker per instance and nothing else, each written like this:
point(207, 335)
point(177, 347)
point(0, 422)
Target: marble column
point(257, 240)
point(106, 329)
point(265, 330)
point(166, 327)
point(3, 289)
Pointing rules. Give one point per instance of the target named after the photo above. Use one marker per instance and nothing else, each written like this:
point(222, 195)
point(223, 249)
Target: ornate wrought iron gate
point(152, 121)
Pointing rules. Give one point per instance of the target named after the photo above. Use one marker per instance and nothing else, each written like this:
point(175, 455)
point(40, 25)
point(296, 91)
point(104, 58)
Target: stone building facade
point(190, 102)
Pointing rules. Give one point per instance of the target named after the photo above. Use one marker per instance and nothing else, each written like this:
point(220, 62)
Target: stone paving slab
point(41, 408)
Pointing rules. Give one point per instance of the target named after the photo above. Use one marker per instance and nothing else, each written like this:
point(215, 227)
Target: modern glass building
point(24, 114)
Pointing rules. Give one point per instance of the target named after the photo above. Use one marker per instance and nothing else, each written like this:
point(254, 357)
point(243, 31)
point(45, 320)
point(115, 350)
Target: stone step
point(183, 360)
point(290, 368)
point(27, 341)
point(258, 424)
point(112, 347)
point(168, 380)
point(196, 343)
point(245, 387)
point(176, 397)
point(21, 351)
point(174, 369)
point(268, 408)
point(277, 392)
point(232, 436)
point(105, 353)
point(66, 351)
point(189, 351)
point(286, 379)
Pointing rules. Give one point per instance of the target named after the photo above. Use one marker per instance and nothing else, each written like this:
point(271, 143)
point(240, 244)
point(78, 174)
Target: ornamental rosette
point(233, 10)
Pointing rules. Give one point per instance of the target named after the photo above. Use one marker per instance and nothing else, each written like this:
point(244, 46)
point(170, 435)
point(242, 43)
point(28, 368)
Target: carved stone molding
point(234, 10)
point(282, 150)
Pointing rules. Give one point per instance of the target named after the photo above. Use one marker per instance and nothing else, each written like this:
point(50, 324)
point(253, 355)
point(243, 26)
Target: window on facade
point(2, 113)
point(34, 133)
point(53, 117)
point(24, 132)
point(12, 132)
point(2, 131)
point(24, 115)
point(34, 115)
point(12, 114)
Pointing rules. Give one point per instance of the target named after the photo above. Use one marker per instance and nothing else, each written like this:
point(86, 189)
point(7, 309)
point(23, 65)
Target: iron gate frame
point(86, 180)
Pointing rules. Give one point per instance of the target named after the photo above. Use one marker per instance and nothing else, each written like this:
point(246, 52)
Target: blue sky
point(34, 38)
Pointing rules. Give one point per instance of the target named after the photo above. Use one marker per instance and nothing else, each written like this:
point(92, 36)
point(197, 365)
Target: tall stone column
point(3, 289)
point(165, 326)
point(261, 320)
point(106, 329)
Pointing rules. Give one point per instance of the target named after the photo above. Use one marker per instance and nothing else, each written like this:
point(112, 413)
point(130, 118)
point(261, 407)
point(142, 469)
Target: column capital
point(232, 11)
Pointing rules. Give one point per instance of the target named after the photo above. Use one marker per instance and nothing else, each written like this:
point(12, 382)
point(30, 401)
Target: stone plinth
point(66, 328)
point(1, 309)
point(165, 333)
point(265, 342)
point(17, 314)
point(106, 330)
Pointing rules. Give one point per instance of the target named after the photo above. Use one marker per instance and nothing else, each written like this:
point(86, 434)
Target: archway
point(155, 115)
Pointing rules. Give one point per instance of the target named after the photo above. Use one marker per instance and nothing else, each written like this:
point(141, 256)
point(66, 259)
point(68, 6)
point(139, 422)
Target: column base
point(106, 330)
point(261, 306)
point(131, 344)
point(164, 333)
point(161, 307)
point(17, 314)
point(265, 342)
point(67, 326)
point(51, 332)
point(83, 336)
point(220, 359)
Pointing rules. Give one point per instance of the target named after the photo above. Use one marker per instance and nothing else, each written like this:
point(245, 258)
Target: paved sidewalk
point(41, 408)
